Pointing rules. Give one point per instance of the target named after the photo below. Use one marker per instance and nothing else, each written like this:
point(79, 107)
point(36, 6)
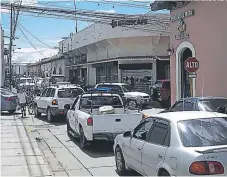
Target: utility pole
point(75, 15)
point(10, 46)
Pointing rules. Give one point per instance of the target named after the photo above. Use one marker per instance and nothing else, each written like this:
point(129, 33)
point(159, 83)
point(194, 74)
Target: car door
point(154, 149)
point(40, 100)
point(72, 115)
point(133, 148)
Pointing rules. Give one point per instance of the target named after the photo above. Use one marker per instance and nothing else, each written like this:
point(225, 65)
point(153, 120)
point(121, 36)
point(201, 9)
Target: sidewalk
point(20, 155)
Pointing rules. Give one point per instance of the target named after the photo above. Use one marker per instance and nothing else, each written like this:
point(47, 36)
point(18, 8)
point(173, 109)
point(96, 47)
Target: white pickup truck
point(99, 116)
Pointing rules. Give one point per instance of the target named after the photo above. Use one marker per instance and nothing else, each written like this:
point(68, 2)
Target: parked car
point(99, 115)
point(211, 104)
point(136, 99)
point(53, 99)
point(175, 144)
point(9, 100)
point(161, 92)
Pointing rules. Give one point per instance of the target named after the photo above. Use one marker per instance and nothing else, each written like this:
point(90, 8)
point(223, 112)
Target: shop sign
point(181, 28)
point(192, 75)
point(182, 15)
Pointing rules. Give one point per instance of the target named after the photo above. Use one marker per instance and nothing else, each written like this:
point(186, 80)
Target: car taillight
point(89, 121)
point(8, 99)
point(54, 102)
point(206, 168)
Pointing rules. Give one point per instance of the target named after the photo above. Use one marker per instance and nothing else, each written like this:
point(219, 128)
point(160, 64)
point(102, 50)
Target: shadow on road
point(58, 122)
point(97, 149)
point(131, 173)
point(5, 113)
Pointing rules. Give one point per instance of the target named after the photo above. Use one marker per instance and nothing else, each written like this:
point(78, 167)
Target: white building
point(2, 64)
point(19, 69)
point(100, 53)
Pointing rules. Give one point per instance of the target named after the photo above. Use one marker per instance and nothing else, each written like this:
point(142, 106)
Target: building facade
point(100, 53)
point(2, 64)
point(19, 69)
point(198, 29)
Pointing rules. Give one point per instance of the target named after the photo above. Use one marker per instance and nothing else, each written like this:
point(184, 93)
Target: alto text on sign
point(191, 64)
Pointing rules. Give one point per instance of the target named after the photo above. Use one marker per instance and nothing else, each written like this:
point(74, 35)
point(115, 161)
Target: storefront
point(198, 30)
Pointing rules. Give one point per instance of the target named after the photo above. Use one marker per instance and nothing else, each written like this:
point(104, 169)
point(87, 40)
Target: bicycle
point(31, 108)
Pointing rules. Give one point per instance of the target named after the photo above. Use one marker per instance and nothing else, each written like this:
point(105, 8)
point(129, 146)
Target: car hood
point(136, 94)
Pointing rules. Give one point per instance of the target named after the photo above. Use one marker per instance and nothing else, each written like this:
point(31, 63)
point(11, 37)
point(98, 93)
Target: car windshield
point(213, 104)
point(203, 132)
point(127, 88)
point(98, 101)
point(69, 92)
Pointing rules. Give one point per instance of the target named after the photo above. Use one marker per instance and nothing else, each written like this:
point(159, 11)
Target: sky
point(51, 30)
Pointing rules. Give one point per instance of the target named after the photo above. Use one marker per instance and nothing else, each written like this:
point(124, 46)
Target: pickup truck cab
point(132, 97)
point(53, 99)
point(99, 116)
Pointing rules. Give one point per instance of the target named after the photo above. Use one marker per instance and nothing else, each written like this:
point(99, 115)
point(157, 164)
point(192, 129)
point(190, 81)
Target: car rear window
point(69, 92)
point(3, 92)
point(213, 104)
point(203, 132)
point(98, 101)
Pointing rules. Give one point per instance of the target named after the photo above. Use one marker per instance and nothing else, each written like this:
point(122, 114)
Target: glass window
point(178, 106)
point(97, 101)
point(44, 93)
point(159, 133)
point(69, 92)
point(52, 92)
point(203, 132)
point(188, 106)
point(213, 104)
point(142, 130)
point(48, 92)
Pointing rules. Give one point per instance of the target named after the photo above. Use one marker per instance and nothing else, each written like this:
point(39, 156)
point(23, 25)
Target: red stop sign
point(191, 64)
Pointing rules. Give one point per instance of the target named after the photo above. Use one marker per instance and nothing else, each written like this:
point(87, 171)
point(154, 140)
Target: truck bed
point(110, 125)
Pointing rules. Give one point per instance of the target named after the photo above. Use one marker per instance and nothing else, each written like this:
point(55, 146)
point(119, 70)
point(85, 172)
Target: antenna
point(203, 87)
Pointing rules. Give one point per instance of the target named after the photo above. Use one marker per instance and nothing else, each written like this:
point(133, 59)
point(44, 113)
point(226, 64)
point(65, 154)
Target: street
point(64, 156)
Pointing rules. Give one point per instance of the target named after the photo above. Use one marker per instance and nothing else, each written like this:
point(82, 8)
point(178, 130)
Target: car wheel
point(11, 111)
point(49, 115)
point(164, 173)
point(69, 130)
point(37, 113)
point(83, 140)
point(120, 162)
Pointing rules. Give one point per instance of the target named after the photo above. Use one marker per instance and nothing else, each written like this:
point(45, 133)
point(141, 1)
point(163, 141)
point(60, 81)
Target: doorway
point(186, 82)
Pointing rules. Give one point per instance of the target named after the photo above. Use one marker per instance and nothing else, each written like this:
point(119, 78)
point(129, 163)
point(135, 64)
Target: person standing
point(22, 96)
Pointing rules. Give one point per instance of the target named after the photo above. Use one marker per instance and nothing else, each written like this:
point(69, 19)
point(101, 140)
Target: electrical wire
point(33, 35)
point(29, 41)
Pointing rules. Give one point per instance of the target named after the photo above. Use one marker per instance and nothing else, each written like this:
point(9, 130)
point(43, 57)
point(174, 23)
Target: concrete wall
point(207, 35)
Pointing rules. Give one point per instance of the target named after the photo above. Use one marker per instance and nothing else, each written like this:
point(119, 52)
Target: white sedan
point(175, 144)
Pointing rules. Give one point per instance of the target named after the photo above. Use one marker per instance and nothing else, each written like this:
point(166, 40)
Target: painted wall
point(207, 33)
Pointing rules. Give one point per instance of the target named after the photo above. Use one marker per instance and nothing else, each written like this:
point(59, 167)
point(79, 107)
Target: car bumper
point(58, 112)
point(105, 136)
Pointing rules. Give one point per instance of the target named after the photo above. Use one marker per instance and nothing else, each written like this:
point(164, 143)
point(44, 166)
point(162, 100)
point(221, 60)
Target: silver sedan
point(9, 101)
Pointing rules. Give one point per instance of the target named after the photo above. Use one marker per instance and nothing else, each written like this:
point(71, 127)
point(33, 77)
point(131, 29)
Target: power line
point(33, 35)
point(29, 41)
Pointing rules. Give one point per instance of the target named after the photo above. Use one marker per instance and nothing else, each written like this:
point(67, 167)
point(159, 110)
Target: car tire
point(49, 115)
point(37, 113)
point(164, 173)
point(68, 130)
point(12, 111)
point(83, 140)
point(120, 162)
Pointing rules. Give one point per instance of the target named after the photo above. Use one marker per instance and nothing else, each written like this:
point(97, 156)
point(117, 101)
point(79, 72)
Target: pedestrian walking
point(22, 96)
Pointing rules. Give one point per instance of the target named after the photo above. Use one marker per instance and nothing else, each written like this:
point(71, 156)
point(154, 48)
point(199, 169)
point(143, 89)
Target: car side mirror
point(67, 106)
point(127, 134)
point(221, 109)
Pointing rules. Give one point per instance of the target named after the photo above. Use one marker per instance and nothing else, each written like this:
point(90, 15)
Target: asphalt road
point(64, 156)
